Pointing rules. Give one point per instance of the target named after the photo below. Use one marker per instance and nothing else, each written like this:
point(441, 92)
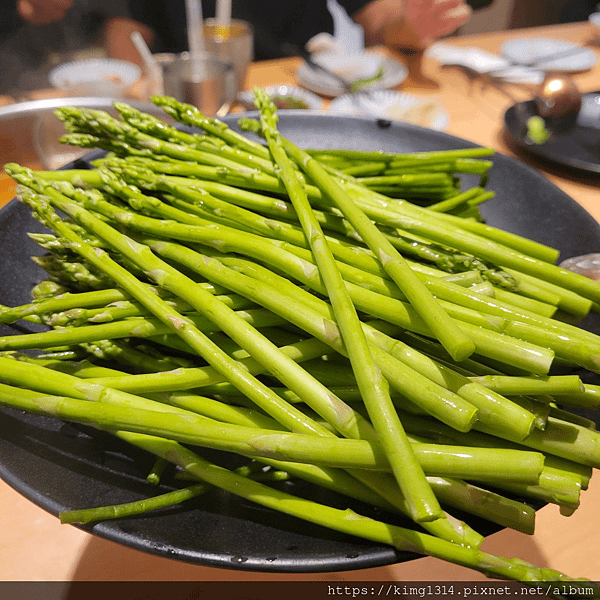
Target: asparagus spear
point(451, 461)
point(421, 501)
point(399, 538)
point(198, 341)
point(190, 115)
point(451, 337)
point(343, 418)
point(590, 442)
point(488, 343)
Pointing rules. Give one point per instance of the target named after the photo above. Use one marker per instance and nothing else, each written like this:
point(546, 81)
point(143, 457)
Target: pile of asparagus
point(338, 316)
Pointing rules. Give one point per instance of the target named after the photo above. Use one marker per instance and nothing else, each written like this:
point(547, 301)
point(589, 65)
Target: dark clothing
point(535, 13)
point(275, 22)
point(576, 10)
point(477, 4)
point(10, 17)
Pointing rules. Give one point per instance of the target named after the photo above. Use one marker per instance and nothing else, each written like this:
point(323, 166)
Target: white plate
point(351, 67)
point(394, 73)
point(481, 61)
point(524, 50)
point(246, 98)
point(394, 106)
point(95, 76)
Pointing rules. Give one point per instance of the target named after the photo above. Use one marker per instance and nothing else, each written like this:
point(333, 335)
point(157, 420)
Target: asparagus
point(400, 538)
point(417, 220)
point(190, 115)
point(383, 338)
point(566, 300)
point(137, 507)
point(588, 398)
point(184, 379)
point(328, 477)
point(263, 226)
point(166, 500)
point(324, 327)
point(112, 124)
point(558, 439)
point(260, 348)
point(72, 273)
point(520, 254)
point(381, 209)
point(538, 358)
point(422, 503)
point(343, 419)
point(451, 337)
point(557, 385)
point(441, 289)
point(489, 407)
point(82, 300)
point(122, 310)
point(100, 124)
point(155, 127)
point(451, 492)
point(141, 327)
point(394, 159)
point(488, 505)
point(140, 359)
point(157, 471)
point(47, 289)
point(494, 507)
point(163, 273)
point(451, 461)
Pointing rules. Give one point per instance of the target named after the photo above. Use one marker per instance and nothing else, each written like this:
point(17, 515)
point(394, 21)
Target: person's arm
point(40, 12)
point(117, 39)
point(410, 23)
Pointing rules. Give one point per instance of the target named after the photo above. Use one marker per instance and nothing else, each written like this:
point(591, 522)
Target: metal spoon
point(558, 96)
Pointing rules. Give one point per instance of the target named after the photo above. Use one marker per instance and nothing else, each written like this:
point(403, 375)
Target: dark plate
point(576, 146)
point(60, 467)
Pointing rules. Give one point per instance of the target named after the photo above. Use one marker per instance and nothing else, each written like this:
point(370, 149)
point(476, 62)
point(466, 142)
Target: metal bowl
point(29, 131)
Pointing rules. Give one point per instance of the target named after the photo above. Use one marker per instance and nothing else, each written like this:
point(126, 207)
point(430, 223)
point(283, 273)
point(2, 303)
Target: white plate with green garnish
point(376, 72)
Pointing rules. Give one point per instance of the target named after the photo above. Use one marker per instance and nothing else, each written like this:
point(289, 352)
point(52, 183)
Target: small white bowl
point(394, 106)
point(95, 77)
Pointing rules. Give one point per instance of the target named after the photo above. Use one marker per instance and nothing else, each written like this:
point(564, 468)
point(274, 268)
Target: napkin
point(484, 62)
point(348, 37)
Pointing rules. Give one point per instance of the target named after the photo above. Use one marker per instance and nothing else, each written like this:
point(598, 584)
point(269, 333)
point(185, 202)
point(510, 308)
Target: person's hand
point(411, 23)
point(432, 19)
point(40, 12)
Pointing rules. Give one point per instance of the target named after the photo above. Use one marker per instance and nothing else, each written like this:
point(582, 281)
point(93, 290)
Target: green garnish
point(365, 81)
point(536, 130)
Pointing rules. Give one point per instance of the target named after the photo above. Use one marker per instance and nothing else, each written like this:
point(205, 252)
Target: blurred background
point(28, 51)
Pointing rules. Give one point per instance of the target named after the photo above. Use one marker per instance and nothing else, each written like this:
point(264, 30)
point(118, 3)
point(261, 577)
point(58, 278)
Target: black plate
point(576, 146)
point(60, 467)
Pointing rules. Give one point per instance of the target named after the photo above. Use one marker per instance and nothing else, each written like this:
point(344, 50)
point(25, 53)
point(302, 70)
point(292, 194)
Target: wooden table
point(35, 547)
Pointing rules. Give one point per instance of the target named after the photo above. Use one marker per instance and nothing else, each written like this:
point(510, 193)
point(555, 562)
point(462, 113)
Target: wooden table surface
point(35, 547)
